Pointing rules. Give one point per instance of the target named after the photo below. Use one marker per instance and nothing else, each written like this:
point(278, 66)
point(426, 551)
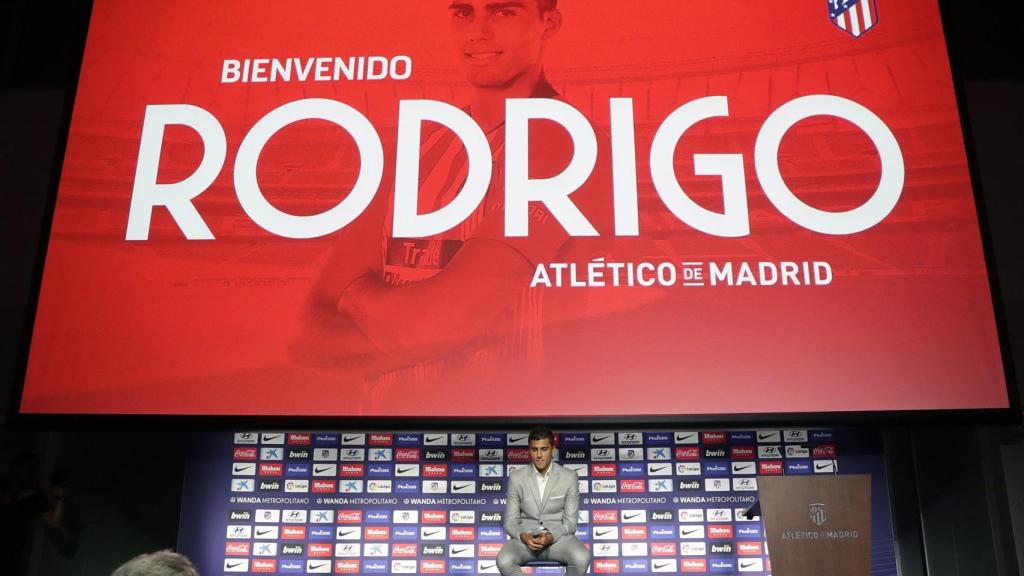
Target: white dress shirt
point(542, 482)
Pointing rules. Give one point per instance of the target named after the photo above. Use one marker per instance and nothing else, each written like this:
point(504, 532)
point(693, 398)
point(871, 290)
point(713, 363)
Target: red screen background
point(171, 326)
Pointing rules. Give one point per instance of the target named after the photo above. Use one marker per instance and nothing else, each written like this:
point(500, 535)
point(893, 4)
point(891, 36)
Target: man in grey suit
point(541, 512)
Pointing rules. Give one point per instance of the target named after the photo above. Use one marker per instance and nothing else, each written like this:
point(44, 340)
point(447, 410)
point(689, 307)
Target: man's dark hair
point(545, 5)
point(540, 433)
point(162, 563)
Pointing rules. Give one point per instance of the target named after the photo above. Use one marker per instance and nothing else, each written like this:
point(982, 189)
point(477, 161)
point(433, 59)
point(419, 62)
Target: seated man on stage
point(541, 512)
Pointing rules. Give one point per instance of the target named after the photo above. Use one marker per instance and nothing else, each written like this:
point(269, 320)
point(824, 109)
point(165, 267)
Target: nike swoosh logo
point(321, 470)
point(434, 438)
point(600, 438)
point(243, 468)
point(684, 437)
point(351, 438)
point(235, 565)
point(765, 436)
point(512, 439)
point(631, 516)
point(688, 532)
point(270, 437)
point(346, 533)
point(741, 468)
point(748, 565)
point(316, 566)
point(429, 534)
point(404, 470)
point(263, 532)
point(822, 466)
point(658, 469)
point(459, 550)
point(598, 533)
point(660, 566)
point(456, 487)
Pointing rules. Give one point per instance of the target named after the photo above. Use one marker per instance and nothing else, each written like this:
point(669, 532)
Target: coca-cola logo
point(518, 455)
point(407, 454)
point(403, 550)
point(350, 516)
point(688, 453)
point(666, 549)
point(631, 486)
point(825, 451)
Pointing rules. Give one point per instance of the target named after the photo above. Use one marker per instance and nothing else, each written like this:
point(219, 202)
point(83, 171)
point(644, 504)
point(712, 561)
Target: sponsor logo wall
point(666, 501)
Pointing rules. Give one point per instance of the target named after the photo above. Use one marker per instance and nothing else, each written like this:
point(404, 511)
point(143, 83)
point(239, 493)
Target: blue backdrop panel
point(652, 501)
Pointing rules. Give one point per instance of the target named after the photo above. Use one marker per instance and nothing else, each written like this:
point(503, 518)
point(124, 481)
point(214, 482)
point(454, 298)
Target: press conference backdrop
point(780, 196)
point(662, 501)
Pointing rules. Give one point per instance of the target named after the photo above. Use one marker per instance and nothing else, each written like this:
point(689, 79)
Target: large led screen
point(522, 208)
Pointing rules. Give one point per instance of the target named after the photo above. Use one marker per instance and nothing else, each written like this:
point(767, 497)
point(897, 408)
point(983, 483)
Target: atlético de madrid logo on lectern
point(854, 17)
point(817, 513)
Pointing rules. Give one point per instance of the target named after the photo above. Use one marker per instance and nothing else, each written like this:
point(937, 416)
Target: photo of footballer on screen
point(417, 312)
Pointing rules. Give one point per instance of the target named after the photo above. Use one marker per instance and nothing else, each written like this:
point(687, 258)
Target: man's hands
point(539, 542)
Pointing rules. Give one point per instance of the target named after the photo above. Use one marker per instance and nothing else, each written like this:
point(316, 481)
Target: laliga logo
point(520, 189)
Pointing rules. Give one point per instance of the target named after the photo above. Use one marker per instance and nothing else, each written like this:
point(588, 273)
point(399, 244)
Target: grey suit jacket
point(558, 508)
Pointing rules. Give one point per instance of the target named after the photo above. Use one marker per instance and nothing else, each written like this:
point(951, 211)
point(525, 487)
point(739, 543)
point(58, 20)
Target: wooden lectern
point(817, 525)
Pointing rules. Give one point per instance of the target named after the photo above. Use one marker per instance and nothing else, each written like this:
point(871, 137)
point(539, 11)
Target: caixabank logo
point(651, 501)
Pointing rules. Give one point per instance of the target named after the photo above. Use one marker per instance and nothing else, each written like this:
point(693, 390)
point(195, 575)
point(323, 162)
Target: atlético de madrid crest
point(854, 17)
point(818, 513)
